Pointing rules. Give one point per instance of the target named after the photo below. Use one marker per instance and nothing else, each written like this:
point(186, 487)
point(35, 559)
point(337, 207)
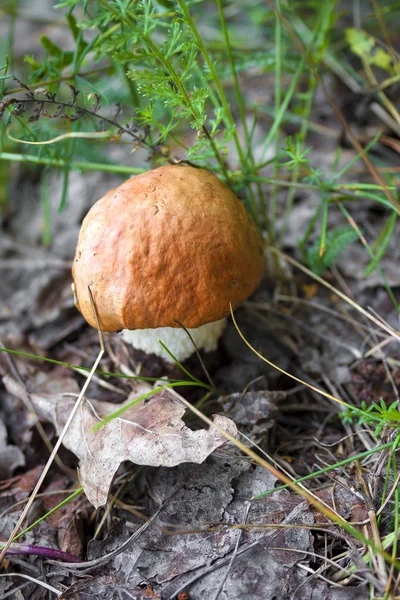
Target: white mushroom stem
point(175, 339)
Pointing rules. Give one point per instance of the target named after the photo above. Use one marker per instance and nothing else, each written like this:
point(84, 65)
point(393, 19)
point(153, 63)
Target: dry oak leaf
point(151, 433)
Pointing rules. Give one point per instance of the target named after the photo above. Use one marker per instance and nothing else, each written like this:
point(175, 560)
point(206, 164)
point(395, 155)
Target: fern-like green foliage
point(170, 76)
point(336, 241)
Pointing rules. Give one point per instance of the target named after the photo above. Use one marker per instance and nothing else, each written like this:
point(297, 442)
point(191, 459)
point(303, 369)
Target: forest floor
point(227, 528)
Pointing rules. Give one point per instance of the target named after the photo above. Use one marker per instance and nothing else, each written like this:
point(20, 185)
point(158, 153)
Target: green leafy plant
point(364, 45)
point(336, 242)
point(54, 61)
point(378, 415)
point(157, 75)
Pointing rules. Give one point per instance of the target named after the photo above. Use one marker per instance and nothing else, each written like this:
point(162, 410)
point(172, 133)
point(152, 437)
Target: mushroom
point(170, 247)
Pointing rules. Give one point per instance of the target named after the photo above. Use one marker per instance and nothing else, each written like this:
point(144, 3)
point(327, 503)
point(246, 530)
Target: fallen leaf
point(18, 488)
point(67, 521)
point(251, 408)
point(192, 497)
point(11, 457)
point(151, 432)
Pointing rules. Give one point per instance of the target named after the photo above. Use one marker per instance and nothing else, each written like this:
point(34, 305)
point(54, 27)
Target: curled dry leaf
point(11, 457)
point(151, 432)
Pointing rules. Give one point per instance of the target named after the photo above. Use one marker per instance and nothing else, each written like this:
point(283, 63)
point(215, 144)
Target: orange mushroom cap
point(172, 244)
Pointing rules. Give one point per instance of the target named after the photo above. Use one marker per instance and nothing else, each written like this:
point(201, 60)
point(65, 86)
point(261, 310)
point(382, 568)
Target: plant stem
point(167, 64)
point(60, 163)
point(242, 112)
point(214, 74)
point(48, 82)
point(273, 204)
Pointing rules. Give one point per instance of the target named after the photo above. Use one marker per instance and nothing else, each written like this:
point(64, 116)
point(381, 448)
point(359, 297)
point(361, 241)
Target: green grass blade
point(379, 247)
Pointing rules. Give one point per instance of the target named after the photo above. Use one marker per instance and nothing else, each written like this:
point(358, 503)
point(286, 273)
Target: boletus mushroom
point(171, 246)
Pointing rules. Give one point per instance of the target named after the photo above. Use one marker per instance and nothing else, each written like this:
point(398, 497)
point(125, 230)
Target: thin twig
point(84, 567)
point(37, 581)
